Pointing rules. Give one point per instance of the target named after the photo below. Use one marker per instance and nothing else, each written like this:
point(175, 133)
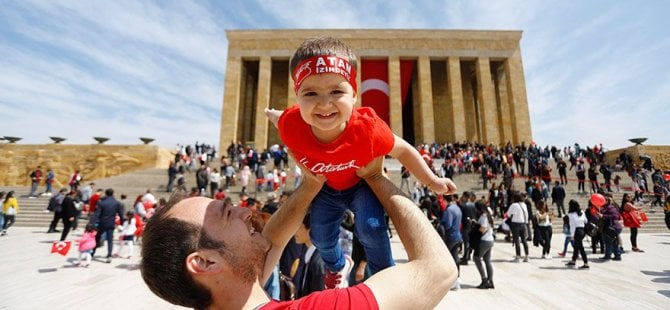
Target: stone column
point(469, 111)
point(291, 100)
point(359, 101)
point(426, 102)
point(231, 102)
point(395, 100)
point(518, 103)
point(486, 101)
point(455, 91)
point(504, 117)
point(262, 102)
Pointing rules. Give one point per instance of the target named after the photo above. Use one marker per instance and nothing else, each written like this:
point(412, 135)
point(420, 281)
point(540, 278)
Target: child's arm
point(410, 158)
point(273, 115)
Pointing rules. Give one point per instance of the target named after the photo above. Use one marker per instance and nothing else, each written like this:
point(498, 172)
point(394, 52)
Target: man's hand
point(443, 186)
point(372, 170)
point(273, 115)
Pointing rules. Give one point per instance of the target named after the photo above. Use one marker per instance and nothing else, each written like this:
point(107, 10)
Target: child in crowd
point(330, 137)
point(127, 235)
point(566, 232)
point(86, 245)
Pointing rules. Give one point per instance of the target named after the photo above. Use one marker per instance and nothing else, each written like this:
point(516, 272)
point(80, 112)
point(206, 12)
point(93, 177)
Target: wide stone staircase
point(32, 210)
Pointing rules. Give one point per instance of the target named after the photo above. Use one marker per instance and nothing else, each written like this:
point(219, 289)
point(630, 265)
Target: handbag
point(643, 217)
point(610, 232)
point(508, 221)
point(590, 229)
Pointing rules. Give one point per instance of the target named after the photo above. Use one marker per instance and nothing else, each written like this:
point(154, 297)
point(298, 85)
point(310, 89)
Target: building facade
point(428, 85)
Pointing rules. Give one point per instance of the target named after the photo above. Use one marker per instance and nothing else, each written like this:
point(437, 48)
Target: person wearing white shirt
point(483, 250)
point(149, 197)
point(577, 220)
point(214, 181)
point(519, 217)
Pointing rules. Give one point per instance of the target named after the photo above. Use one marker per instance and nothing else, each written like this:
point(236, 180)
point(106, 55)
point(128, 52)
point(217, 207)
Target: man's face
point(326, 102)
point(245, 246)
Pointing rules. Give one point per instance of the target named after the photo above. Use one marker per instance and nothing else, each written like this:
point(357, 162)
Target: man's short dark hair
point(109, 192)
point(166, 242)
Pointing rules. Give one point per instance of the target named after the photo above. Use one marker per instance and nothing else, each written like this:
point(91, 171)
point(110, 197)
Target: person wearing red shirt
point(93, 201)
point(220, 194)
point(206, 254)
point(330, 137)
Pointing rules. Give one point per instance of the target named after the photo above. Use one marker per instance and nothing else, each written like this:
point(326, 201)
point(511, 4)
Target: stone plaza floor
point(33, 278)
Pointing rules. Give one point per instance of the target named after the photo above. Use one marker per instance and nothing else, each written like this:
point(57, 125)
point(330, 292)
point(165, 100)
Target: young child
point(330, 137)
point(127, 235)
point(86, 245)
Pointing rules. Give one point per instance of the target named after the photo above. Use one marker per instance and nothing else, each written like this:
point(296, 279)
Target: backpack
point(53, 204)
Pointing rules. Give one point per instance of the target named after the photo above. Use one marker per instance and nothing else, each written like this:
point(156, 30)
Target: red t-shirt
point(355, 297)
point(365, 138)
point(220, 196)
point(93, 202)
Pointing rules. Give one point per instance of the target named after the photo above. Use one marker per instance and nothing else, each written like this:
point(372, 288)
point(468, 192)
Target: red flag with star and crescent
point(61, 247)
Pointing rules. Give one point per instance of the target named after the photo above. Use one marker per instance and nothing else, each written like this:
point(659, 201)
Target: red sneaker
point(339, 279)
point(561, 254)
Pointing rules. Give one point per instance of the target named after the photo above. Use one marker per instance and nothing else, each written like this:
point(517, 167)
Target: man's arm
point(285, 222)
point(427, 277)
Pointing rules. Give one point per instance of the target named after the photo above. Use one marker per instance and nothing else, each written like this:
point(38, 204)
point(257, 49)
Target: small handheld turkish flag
point(61, 247)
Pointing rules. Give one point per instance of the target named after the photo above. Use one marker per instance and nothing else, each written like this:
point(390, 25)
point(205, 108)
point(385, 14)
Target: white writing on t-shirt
point(320, 168)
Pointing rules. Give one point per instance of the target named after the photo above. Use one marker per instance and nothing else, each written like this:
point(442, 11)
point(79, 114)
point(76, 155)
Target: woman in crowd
point(592, 214)
point(577, 221)
point(10, 207)
point(611, 230)
point(493, 198)
point(544, 218)
point(518, 215)
point(630, 219)
point(485, 221)
point(502, 199)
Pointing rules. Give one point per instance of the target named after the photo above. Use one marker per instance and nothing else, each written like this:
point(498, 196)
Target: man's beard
point(249, 266)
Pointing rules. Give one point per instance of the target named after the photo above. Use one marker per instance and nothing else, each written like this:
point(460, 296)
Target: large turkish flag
point(375, 86)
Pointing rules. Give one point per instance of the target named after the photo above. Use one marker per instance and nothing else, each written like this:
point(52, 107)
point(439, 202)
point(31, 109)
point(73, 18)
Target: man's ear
point(204, 262)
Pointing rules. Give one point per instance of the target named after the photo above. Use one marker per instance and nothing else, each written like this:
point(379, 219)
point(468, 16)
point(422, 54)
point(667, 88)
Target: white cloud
point(596, 71)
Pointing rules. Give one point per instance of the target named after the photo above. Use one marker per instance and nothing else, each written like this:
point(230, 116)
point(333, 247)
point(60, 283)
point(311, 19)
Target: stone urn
point(12, 139)
point(100, 140)
point(637, 141)
point(57, 140)
point(146, 140)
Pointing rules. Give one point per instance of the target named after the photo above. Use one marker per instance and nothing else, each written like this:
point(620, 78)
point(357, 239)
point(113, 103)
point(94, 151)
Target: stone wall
point(94, 161)
point(660, 155)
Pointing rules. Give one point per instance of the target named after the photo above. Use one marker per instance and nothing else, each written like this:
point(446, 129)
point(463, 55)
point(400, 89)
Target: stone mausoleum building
point(428, 85)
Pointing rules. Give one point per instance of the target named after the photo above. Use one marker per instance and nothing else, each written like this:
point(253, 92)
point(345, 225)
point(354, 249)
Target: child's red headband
point(324, 64)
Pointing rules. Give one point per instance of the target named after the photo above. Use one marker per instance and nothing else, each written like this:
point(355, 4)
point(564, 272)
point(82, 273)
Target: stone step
point(136, 183)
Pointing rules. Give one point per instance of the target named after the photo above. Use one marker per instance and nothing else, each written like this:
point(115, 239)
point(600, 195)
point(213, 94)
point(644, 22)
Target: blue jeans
point(612, 245)
point(327, 212)
point(33, 188)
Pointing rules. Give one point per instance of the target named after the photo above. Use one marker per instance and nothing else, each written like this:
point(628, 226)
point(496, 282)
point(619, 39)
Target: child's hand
point(273, 115)
point(443, 186)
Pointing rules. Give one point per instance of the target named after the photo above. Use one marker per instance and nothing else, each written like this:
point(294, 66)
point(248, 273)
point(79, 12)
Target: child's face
point(326, 103)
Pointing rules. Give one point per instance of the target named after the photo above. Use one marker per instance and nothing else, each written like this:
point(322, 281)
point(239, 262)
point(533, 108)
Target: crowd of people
point(202, 249)
point(469, 225)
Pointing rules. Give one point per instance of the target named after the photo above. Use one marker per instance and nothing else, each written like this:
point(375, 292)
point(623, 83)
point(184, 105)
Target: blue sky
point(596, 71)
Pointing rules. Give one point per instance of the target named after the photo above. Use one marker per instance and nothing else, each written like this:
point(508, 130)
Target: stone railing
point(660, 155)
